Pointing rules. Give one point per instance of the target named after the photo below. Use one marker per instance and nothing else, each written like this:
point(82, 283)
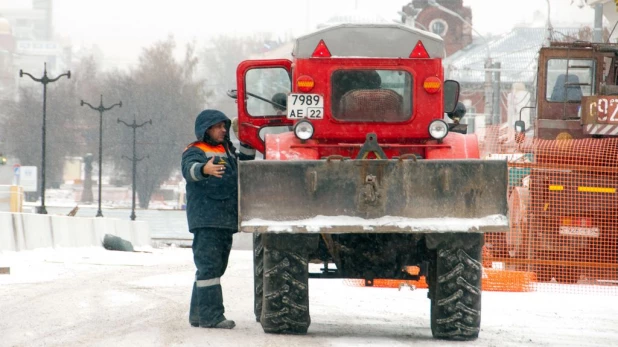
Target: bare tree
point(24, 119)
point(220, 59)
point(166, 91)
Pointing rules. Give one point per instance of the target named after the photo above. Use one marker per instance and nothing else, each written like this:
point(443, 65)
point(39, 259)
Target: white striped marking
point(602, 129)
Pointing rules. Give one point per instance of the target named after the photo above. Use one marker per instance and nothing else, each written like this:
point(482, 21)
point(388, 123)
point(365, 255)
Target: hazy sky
point(122, 27)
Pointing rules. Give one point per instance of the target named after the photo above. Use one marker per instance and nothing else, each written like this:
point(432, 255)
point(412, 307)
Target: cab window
point(571, 85)
point(369, 95)
point(266, 91)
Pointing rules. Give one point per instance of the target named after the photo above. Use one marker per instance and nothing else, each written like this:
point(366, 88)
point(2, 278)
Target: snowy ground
point(94, 297)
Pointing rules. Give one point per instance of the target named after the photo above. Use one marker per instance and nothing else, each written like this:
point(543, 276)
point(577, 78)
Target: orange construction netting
point(563, 205)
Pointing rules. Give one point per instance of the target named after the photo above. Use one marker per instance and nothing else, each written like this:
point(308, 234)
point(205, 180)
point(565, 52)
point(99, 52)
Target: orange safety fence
point(493, 280)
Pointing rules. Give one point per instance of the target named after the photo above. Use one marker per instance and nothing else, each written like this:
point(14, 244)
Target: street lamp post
point(550, 29)
point(101, 109)
point(135, 159)
point(44, 80)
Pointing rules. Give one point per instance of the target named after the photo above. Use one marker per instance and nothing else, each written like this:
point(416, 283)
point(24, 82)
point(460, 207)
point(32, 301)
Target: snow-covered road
point(94, 297)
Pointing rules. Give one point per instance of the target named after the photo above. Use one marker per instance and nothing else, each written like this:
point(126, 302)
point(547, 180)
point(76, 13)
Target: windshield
point(371, 95)
point(266, 90)
point(569, 80)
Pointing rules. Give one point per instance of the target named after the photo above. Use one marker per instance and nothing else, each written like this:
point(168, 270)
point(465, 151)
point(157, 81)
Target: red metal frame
point(249, 126)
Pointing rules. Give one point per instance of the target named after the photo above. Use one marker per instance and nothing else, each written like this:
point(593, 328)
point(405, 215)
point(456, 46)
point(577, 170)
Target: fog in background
point(168, 60)
point(121, 28)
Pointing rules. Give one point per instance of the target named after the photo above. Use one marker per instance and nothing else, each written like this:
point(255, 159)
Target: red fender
point(278, 147)
point(461, 147)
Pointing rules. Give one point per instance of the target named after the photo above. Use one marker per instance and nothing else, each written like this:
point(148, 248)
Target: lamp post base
point(99, 213)
point(41, 210)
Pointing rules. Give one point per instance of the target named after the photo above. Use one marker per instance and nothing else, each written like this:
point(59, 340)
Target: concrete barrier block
point(61, 231)
point(73, 232)
point(24, 231)
point(84, 232)
point(7, 234)
point(123, 230)
point(103, 226)
point(37, 231)
point(141, 234)
point(18, 231)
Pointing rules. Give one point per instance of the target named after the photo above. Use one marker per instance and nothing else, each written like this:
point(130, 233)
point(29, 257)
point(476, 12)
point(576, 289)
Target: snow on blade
point(397, 224)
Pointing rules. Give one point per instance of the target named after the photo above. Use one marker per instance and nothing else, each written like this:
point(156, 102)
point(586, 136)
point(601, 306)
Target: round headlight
point(438, 129)
point(303, 130)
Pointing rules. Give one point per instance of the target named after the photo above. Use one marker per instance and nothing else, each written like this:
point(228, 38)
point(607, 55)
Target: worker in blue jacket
point(209, 165)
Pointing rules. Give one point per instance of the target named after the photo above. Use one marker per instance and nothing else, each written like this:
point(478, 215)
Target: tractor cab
point(344, 83)
point(577, 92)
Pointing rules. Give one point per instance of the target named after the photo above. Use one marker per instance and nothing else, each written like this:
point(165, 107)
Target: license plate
point(578, 231)
point(310, 106)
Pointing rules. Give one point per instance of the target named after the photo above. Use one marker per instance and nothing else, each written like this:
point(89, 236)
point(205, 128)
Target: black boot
point(211, 308)
point(224, 324)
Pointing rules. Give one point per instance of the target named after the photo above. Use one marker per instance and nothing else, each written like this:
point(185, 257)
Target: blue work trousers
point(211, 251)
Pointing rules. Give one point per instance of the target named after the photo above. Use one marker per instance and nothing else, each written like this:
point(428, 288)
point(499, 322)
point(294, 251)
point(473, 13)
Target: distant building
point(33, 41)
point(456, 33)
point(33, 23)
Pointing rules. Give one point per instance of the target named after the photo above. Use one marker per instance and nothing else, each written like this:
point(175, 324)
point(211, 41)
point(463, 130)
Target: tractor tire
point(285, 307)
point(455, 275)
point(258, 275)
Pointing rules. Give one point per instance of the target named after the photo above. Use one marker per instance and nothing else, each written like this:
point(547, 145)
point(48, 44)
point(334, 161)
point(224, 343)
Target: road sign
point(28, 178)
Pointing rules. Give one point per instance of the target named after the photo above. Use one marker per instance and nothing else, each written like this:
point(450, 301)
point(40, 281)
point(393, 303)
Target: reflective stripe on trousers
point(208, 283)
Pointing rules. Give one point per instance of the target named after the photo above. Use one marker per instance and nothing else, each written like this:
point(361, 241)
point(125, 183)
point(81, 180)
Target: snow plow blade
point(373, 196)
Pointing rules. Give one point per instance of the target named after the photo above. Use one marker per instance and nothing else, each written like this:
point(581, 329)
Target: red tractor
point(563, 224)
point(363, 175)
